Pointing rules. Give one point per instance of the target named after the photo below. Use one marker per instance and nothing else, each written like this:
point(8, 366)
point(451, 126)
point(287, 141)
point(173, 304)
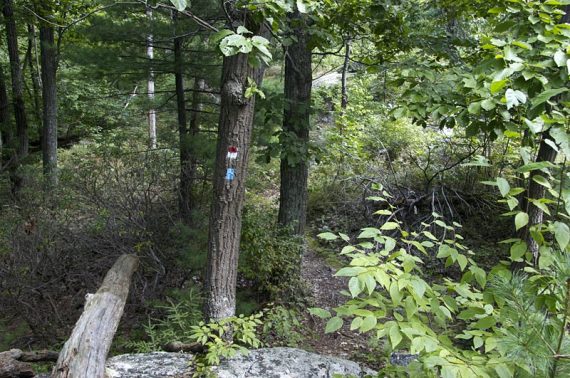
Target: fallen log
point(39, 356)
point(10, 367)
point(85, 352)
point(177, 346)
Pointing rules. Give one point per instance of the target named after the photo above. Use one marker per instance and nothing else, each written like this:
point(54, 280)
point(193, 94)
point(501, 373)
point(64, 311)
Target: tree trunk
point(34, 76)
point(188, 159)
point(11, 366)
point(85, 352)
point(17, 80)
point(4, 117)
point(49, 98)
point(230, 170)
point(345, 66)
point(150, 85)
point(535, 191)
point(296, 125)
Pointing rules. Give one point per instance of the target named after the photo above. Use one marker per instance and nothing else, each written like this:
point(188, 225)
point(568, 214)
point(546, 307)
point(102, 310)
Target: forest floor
point(325, 289)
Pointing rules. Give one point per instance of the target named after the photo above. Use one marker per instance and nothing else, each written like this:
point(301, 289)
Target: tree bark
point(150, 84)
point(17, 81)
point(536, 191)
point(85, 352)
point(49, 99)
point(34, 76)
point(295, 138)
point(344, 77)
point(4, 117)
point(11, 366)
point(234, 131)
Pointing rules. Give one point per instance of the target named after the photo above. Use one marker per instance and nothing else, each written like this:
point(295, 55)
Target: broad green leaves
point(241, 42)
point(180, 4)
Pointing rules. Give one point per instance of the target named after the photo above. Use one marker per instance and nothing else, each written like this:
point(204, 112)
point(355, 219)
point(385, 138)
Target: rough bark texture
point(189, 161)
point(32, 54)
point(4, 117)
point(85, 352)
point(11, 367)
point(296, 125)
point(150, 84)
point(234, 129)
point(184, 203)
point(536, 191)
point(17, 80)
point(49, 98)
point(345, 66)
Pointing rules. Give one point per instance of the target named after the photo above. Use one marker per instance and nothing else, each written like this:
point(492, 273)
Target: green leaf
point(180, 5)
point(541, 180)
point(488, 104)
point(462, 261)
point(354, 286)
point(504, 186)
point(546, 95)
point(503, 371)
point(496, 86)
point(474, 108)
point(327, 236)
point(301, 7)
point(562, 234)
point(368, 232)
point(218, 36)
point(395, 336)
point(333, 325)
point(319, 312)
point(347, 249)
point(356, 323)
point(535, 126)
point(390, 226)
point(395, 293)
point(514, 98)
point(560, 58)
point(485, 322)
point(368, 323)
point(518, 250)
point(350, 271)
point(521, 220)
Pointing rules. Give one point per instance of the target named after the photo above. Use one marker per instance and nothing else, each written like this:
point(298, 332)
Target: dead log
point(177, 346)
point(85, 352)
point(39, 356)
point(10, 367)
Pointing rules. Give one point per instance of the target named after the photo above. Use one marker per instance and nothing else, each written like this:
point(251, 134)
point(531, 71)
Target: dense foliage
point(429, 155)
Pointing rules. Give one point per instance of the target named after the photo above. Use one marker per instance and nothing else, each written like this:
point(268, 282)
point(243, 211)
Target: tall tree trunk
point(234, 134)
point(49, 97)
point(344, 77)
point(296, 125)
point(150, 84)
point(17, 80)
point(4, 117)
point(34, 76)
point(535, 191)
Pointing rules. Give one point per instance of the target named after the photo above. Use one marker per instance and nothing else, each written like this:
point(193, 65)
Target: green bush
point(269, 255)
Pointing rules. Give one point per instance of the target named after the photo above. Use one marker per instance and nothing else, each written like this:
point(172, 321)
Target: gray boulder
point(258, 363)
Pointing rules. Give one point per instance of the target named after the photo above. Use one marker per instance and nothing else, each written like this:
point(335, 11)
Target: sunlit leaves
point(180, 5)
point(521, 220)
point(514, 98)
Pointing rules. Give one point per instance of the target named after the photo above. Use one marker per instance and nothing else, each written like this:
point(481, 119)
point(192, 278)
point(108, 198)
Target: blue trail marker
point(230, 174)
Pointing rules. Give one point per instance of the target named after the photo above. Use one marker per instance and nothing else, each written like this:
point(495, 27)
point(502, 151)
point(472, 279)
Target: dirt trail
point(325, 289)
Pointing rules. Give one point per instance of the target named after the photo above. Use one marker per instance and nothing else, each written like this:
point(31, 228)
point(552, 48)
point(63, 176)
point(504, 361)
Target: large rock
point(259, 363)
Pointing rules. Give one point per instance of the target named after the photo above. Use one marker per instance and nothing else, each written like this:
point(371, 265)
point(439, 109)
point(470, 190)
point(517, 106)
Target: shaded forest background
point(422, 132)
